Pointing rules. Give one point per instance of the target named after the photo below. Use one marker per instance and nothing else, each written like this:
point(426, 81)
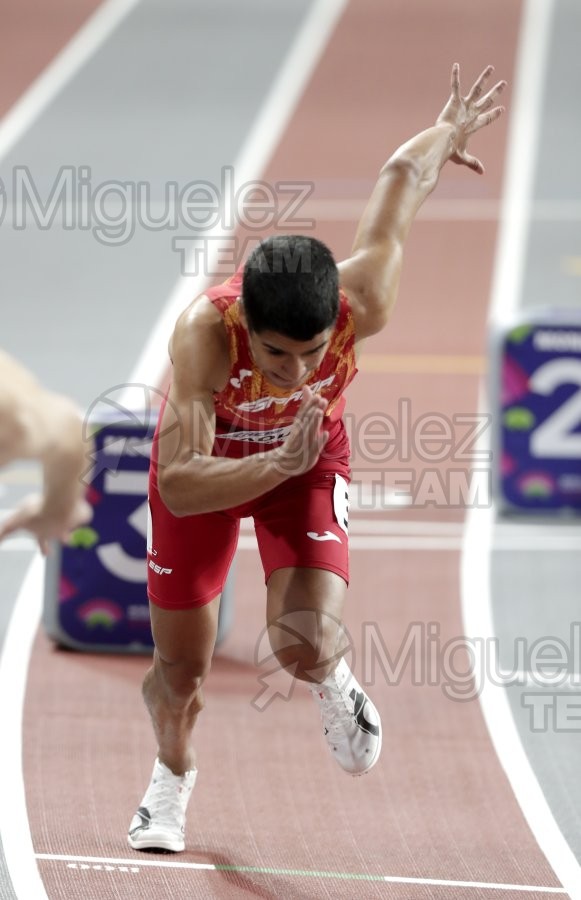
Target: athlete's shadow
point(252, 882)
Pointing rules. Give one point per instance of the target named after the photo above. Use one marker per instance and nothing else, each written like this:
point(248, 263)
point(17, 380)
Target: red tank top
point(251, 409)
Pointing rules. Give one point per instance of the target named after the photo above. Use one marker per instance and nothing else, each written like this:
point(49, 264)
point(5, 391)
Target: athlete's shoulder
point(199, 343)
point(200, 317)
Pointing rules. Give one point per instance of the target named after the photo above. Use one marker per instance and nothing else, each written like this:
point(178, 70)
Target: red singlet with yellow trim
point(252, 411)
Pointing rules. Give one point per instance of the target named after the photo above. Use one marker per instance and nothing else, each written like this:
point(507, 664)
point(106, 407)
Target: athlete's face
point(285, 362)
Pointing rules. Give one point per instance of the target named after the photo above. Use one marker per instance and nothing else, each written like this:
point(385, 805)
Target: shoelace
point(336, 714)
point(166, 803)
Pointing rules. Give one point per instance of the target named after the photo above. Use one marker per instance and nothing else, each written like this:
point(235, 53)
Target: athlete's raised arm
point(370, 276)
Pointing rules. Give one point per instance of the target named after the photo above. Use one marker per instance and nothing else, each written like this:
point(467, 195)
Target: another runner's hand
point(45, 524)
point(304, 445)
point(469, 114)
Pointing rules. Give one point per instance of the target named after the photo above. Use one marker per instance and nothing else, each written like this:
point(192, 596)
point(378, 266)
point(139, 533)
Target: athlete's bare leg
point(309, 603)
point(172, 688)
point(306, 633)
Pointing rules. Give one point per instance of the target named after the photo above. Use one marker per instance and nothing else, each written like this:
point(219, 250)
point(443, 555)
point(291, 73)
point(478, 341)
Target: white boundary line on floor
point(15, 654)
point(280, 104)
point(477, 616)
point(14, 658)
point(522, 145)
point(61, 70)
point(479, 533)
point(135, 864)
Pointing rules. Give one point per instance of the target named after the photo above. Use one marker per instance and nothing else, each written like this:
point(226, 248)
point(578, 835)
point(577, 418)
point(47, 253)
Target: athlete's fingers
point(478, 85)
point(472, 162)
point(316, 418)
point(314, 406)
point(485, 118)
point(489, 98)
point(455, 81)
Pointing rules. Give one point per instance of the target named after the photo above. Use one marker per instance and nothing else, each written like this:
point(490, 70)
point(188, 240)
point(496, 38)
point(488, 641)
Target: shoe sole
point(161, 846)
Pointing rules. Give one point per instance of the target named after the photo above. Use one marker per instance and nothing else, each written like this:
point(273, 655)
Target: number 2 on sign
point(554, 437)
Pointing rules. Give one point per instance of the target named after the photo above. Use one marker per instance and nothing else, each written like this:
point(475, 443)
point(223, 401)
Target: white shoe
point(352, 726)
point(159, 823)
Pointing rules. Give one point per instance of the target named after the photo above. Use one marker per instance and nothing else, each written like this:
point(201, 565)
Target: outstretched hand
point(470, 113)
point(45, 524)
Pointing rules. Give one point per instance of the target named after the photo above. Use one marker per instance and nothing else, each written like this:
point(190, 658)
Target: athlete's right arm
point(190, 479)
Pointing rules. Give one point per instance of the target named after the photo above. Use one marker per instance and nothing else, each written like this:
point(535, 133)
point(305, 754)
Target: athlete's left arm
point(370, 276)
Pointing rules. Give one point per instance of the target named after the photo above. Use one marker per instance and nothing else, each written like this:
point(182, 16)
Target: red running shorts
point(302, 523)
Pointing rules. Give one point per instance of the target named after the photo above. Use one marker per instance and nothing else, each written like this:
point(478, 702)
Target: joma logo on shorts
point(159, 570)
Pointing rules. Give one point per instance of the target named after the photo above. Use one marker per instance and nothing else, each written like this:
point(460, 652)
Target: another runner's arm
point(38, 424)
point(371, 274)
point(190, 479)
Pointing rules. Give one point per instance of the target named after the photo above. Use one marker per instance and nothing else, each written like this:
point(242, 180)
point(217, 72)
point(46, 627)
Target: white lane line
point(478, 545)
point(266, 131)
point(61, 70)
point(479, 542)
point(134, 864)
point(522, 144)
point(477, 616)
point(14, 827)
point(15, 655)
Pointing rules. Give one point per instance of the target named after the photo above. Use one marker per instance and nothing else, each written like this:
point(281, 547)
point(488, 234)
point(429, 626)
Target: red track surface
point(31, 36)
point(437, 806)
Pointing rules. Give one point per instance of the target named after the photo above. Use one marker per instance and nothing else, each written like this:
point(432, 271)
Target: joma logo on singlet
point(265, 402)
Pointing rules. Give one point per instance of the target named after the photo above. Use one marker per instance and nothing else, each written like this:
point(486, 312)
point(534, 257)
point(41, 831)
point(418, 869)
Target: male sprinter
point(252, 427)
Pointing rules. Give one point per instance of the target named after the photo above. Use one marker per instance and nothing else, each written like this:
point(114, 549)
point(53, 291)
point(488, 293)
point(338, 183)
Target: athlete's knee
point(177, 684)
point(308, 646)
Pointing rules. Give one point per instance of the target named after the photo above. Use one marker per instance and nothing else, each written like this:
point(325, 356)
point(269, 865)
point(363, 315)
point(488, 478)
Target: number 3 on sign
point(555, 438)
